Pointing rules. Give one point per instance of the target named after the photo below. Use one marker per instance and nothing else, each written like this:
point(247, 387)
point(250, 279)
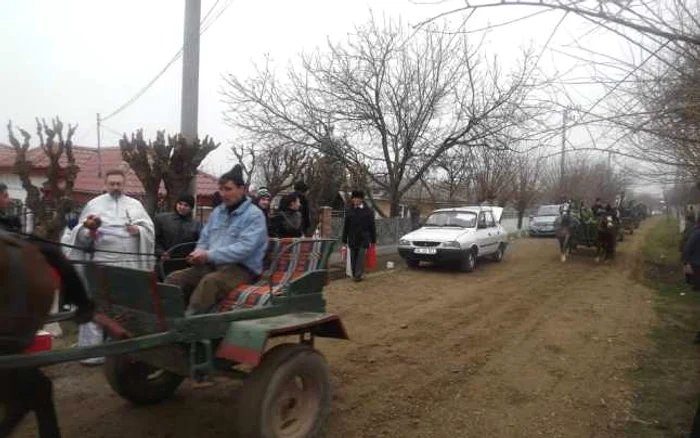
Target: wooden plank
point(133, 289)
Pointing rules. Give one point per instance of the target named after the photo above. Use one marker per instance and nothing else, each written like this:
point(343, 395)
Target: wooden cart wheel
point(139, 382)
point(287, 396)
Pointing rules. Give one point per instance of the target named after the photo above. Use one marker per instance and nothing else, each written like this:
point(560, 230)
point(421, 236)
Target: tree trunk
point(521, 213)
point(395, 206)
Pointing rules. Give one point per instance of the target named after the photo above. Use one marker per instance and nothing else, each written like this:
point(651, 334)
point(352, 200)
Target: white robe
point(116, 214)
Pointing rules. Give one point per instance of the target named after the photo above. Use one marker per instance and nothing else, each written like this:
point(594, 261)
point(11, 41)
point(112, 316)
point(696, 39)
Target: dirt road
point(526, 348)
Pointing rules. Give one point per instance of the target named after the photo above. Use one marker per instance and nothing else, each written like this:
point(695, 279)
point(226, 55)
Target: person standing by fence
point(359, 232)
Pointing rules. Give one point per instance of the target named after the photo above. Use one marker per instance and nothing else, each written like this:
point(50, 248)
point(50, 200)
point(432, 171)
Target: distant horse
point(566, 225)
point(26, 295)
point(607, 237)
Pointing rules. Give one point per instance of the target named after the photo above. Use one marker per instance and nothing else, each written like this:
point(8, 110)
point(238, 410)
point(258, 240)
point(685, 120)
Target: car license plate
point(425, 251)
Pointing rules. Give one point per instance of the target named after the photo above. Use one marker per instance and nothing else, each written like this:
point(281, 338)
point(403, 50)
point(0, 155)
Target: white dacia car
point(456, 235)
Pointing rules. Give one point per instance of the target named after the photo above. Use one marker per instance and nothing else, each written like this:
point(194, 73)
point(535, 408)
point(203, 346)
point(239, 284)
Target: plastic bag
point(371, 259)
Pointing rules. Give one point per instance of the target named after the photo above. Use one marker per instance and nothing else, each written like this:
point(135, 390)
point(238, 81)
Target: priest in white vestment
point(113, 222)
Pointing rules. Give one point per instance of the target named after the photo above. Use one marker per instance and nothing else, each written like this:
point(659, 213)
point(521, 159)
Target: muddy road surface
point(526, 348)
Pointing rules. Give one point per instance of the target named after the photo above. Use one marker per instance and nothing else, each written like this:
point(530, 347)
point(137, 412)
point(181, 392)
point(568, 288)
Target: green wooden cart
point(152, 347)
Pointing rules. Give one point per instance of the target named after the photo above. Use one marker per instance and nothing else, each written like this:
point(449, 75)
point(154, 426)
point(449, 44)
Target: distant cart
point(153, 347)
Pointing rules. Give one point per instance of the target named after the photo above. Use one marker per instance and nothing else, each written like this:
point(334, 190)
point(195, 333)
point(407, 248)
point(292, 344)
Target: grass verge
point(668, 378)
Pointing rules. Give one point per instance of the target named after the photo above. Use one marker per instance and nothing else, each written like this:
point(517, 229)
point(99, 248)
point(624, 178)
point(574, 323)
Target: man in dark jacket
point(358, 232)
point(300, 188)
point(175, 228)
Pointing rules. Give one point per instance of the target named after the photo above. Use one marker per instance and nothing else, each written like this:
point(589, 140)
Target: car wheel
point(468, 262)
point(498, 256)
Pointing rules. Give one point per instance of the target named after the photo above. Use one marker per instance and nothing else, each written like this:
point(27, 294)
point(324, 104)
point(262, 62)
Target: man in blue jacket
point(230, 249)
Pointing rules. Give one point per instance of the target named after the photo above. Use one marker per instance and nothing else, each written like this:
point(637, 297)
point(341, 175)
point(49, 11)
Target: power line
point(174, 59)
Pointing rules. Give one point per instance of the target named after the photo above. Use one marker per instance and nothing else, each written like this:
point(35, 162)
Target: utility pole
point(99, 146)
point(190, 76)
point(562, 160)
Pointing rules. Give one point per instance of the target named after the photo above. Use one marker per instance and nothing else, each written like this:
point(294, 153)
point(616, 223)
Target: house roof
point(88, 180)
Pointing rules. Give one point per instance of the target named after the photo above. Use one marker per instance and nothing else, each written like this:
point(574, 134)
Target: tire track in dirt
point(520, 301)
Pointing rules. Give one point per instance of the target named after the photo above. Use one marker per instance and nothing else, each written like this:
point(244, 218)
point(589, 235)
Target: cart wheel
point(139, 382)
point(287, 396)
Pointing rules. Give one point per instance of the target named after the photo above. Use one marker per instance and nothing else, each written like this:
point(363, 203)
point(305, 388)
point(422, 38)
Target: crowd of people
point(230, 248)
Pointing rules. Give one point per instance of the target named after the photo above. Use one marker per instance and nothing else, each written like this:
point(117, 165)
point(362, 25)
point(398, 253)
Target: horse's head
point(606, 222)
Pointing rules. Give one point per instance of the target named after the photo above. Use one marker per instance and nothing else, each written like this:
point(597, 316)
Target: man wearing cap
point(230, 249)
point(359, 232)
point(263, 199)
point(176, 227)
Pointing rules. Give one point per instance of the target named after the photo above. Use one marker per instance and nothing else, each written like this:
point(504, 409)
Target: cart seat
point(291, 262)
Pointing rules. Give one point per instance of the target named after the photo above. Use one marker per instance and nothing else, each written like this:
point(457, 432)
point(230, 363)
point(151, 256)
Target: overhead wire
point(172, 61)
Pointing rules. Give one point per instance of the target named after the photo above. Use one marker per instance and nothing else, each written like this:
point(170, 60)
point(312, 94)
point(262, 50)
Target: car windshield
point(548, 210)
point(462, 219)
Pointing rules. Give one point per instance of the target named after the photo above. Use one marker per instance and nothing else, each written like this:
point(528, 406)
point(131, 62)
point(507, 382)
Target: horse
point(26, 295)
point(606, 238)
point(567, 223)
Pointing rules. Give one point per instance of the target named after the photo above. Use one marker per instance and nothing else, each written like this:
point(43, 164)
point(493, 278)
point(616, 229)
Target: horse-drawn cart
point(152, 347)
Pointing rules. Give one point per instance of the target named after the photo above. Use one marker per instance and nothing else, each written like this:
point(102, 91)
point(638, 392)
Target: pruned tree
point(402, 99)
point(148, 160)
point(245, 155)
point(181, 169)
point(51, 203)
point(173, 163)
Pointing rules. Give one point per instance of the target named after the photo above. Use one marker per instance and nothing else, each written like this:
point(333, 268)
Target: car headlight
point(404, 242)
point(452, 245)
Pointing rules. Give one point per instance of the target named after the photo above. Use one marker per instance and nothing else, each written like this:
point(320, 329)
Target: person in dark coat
point(288, 222)
point(176, 227)
point(691, 255)
point(691, 262)
point(300, 188)
point(358, 232)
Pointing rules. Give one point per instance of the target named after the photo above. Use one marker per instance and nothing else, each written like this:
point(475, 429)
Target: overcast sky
point(75, 58)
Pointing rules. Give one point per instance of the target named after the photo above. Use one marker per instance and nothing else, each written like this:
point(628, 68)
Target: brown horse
point(607, 237)
point(26, 295)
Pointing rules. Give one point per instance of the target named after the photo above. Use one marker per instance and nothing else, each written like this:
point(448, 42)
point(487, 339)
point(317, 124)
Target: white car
point(457, 235)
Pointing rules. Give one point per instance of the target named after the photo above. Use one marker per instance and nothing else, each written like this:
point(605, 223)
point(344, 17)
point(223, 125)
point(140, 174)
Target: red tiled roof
point(88, 180)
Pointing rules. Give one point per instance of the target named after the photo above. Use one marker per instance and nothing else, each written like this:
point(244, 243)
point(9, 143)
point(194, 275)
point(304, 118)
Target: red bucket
point(43, 341)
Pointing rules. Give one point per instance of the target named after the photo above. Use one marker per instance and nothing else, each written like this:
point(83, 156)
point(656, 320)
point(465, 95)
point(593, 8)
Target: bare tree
point(49, 204)
point(495, 174)
point(280, 166)
point(402, 99)
point(527, 184)
point(173, 163)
